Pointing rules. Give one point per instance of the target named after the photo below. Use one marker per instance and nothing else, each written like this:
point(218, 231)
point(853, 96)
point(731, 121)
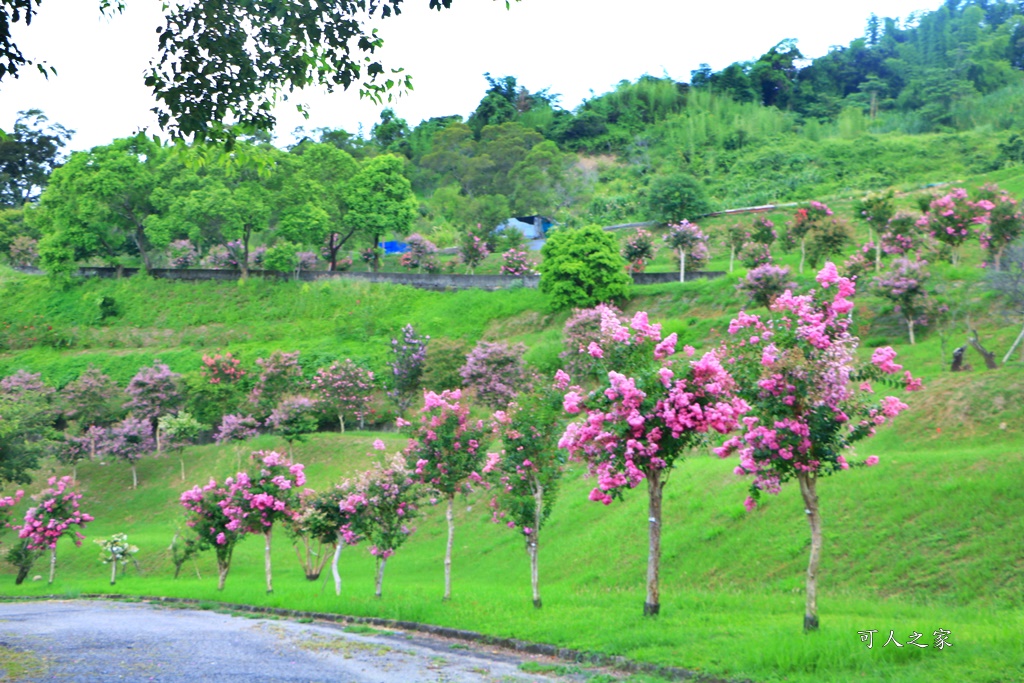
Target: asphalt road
point(79, 641)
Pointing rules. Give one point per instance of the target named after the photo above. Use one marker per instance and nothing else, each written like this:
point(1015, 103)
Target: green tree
point(99, 201)
point(582, 267)
point(676, 197)
point(380, 199)
point(27, 157)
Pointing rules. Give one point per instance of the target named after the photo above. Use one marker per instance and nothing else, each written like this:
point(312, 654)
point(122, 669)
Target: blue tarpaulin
point(394, 247)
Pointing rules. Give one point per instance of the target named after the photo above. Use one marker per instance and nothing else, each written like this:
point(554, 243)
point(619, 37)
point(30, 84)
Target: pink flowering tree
point(129, 440)
point(344, 389)
point(71, 449)
point(901, 235)
point(810, 400)
point(446, 453)
point(904, 285)
point(1005, 225)
point(805, 221)
point(526, 473)
point(420, 255)
point(472, 251)
point(581, 329)
point(268, 493)
point(280, 376)
point(953, 219)
point(638, 250)
point(688, 241)
point(764, 283)
point(55, 515)
point(517, 262)
point(332, 519)
point(876, 209)
point(213, 517)
point(642, 420)
point(222, 368)
point(495, 370)
point(390, 497)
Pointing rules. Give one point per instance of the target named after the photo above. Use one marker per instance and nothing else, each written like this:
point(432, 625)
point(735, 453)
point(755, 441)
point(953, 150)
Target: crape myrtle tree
point(446, 453)
point(154, 391)
point(810, 399)
point(90, 399)
point(215, 521)
point(953, 218)
point(1005, 224)
point(129, 440)
point(294, 419)
point(472, 251)
point(735, 236)
point(876, 209)
point(344, 389)
point(638, 249)
point(280, 376)
point(1010, 283)
point(332, 518)
point(806, 220)
point(389, 497)
point(179, 431)
point(904, 285)
point(644, 417)
point(267, 493)
point(495, 371)
point(54, 516)
point(688, 241)
point(408, 359)
point(525, 475)
point(581, 329)
point(763, 283)
point(26, 425)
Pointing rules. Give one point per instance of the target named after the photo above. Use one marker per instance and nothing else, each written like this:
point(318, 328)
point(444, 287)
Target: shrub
point(764, 283)
point(582, 268)
point(496, 372)
point(676, 197)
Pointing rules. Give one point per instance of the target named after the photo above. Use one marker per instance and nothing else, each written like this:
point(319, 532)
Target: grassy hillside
point(928, 539)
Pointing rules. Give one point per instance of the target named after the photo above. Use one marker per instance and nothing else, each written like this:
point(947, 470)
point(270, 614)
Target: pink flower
point(749, 504)
point(594, 350)
point(871, 460)
point(561, 379)
point(882, 358)
point(378, 445)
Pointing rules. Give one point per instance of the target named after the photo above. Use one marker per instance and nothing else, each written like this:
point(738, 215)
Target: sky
point(575, 48)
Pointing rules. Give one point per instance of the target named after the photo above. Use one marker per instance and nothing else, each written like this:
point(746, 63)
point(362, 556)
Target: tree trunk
point(74, 470)
point(135, 478)
point(1015, 343)
point(990, 358)
point(380, 575)
point(341, 422)
point(682, 265)
point(448, 549)
point(266, 558)
point(808, 483)
point(654, 489)
point(532, 544)
point(113, 572)
point(334, 565)
point(999, 258)
point(53, 563)
point(159, 441)
point(910, 330)
point(22, 574)
point(181, 459)
point(222, 573)
point(732, 255)
point(803, 252)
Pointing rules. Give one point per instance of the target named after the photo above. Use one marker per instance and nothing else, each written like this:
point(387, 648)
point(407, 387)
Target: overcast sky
point(573, 47)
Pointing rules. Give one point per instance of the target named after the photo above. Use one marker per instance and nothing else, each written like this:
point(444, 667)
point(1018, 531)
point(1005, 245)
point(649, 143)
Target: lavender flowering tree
point(903, 284)
point(421, 254)
point(408, 356)
point(90, 399)
point(688, 241)
point(182, 254)
point(344, 389)
point(764, 283)
point(797, 371)
point(129, 440)
point(445, 451)
point(644, 418)
point(152, 392)
point(293, 419)
point(495, 371)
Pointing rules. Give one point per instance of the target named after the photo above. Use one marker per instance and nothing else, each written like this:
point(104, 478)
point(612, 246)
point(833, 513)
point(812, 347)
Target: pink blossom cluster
point(446, 446)
point(639, 424)
point(953, 217)
point(796, 370)
point(55, 513)
point(236, 428)
point(517, 262)
point(222, 368)
point(344, 388)
point(383, 505)
point(687, 238)
point(267, 493)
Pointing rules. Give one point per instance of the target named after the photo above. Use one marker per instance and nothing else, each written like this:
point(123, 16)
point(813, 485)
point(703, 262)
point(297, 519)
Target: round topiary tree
point(676, 197)
point(582, 267)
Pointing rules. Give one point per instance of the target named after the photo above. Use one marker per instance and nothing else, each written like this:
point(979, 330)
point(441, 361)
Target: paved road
point(85, 642)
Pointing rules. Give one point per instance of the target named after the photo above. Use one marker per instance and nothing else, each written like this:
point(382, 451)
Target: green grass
point(16, 665)
point(908, 548)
